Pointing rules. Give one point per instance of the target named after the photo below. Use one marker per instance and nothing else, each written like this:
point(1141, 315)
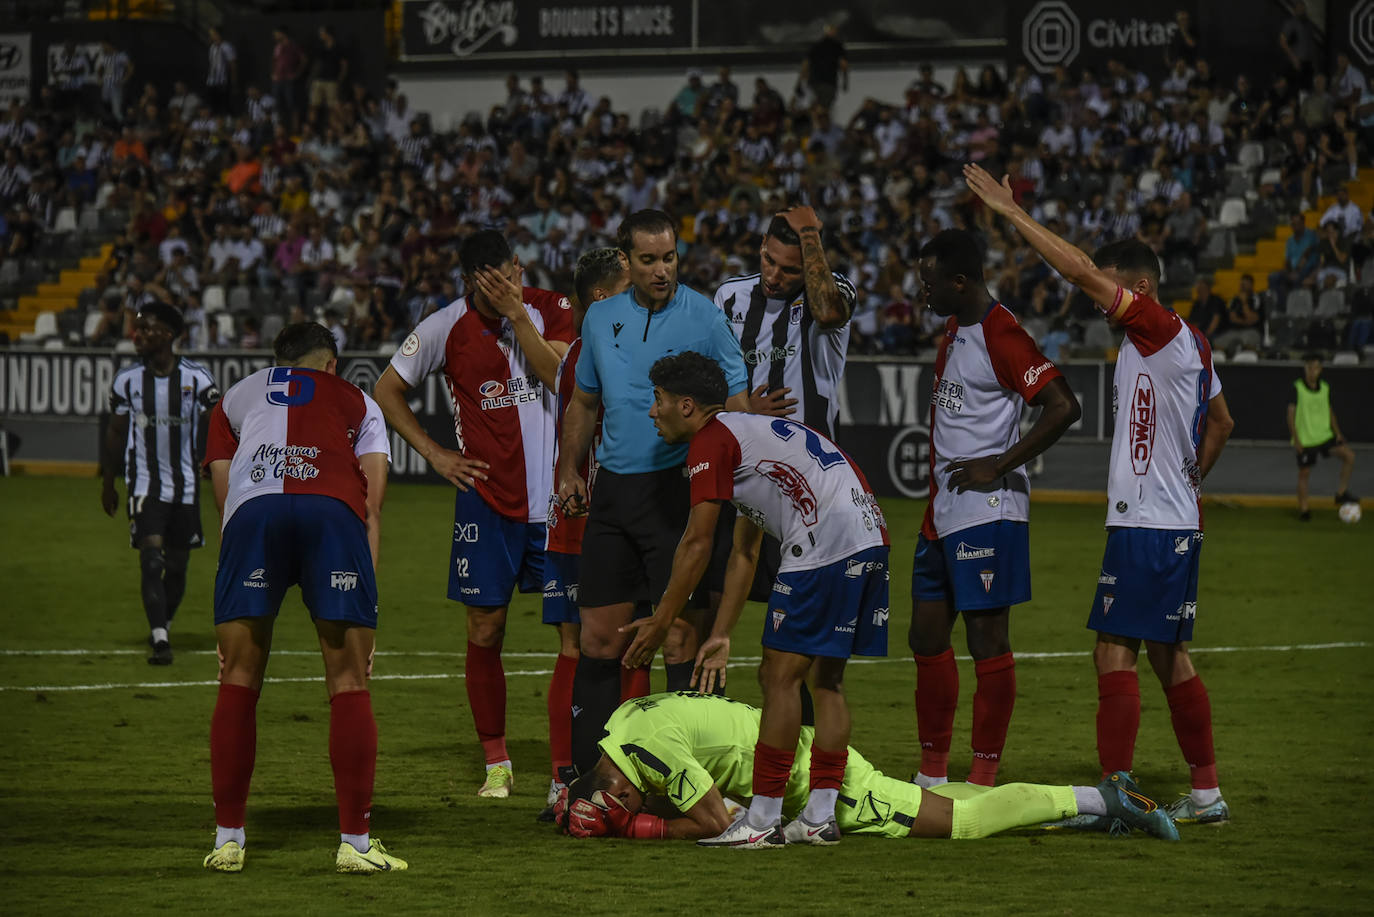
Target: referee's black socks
point(595, 695)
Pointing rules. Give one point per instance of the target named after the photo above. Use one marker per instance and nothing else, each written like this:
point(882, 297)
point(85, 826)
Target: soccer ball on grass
point(1349, 512)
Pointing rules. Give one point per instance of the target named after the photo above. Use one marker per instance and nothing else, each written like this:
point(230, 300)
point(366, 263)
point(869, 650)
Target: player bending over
point(694, 750)
point(298, 458)
point(830, 599)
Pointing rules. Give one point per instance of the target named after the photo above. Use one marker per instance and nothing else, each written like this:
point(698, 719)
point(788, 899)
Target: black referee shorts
point(770, 557)
point(633, 529)
point(177, 523)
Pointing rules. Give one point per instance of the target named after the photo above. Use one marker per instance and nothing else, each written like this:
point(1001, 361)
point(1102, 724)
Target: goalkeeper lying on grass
point(694, 750)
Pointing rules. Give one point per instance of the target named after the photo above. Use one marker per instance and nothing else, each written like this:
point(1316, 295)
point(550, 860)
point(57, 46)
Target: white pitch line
point(738, 662)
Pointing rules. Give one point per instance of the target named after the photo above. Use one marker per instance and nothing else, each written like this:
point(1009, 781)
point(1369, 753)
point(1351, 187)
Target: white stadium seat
point(1233, 212)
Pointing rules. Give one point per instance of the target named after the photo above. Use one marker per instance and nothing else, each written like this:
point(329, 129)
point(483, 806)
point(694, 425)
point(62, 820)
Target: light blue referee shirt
point(621, 340)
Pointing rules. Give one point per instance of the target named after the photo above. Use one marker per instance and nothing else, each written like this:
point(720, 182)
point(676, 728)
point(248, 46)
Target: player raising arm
point(298, 458)
point(692, 751)
point(1171, 425)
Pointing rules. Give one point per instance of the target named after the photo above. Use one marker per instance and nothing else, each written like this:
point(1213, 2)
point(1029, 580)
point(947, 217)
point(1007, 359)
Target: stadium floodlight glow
point(1051, 33)
point(1362, 30)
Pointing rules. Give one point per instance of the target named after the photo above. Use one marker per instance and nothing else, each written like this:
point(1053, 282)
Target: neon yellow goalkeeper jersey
point(680, 745)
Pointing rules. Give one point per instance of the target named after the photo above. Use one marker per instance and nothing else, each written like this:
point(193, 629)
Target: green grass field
point(106, 802)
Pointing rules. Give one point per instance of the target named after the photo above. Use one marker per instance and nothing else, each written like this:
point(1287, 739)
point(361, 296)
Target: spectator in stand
point(1300, 43)
point(221, 73)
point(1333, 254)
point(288, 64)
point(115, 69)
point(826, 68)
point(1300, 258)
point(1348, 83)
point(1244, 320)
point(1182, 46)
point(1184, 229)
point(331, 70)
point(690, 97)
point(899, 323)
point(1345, 214)
point(1208, 314)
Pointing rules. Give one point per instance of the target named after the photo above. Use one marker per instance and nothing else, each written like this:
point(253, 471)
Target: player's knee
point(600, 642)
point(486, 628)
point(151, 561)
point(176, 562)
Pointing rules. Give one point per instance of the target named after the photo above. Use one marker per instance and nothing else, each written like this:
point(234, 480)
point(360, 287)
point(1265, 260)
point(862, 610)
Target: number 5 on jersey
point(288, 387)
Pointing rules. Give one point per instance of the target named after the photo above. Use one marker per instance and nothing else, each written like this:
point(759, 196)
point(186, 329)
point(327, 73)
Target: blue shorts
point(1148, 585)
point(560, 588)
point(276, 541)
point(974, 569)
point(492, 555)
point(839, 610)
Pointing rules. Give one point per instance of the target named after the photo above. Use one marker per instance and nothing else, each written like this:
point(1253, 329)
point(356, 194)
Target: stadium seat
point(1250, 155)
point(90, 221)
point(1271, 176)
point(1221, 243)
point(272, 324)
point(1232, 213)
point(240, 299)
point(1245, 356)
point(1345, 358)
point(212, 298)
point(65, 221)
point(386, 348)
point(1299, 304)
point(124, 345)
point(227, 331)
point(1147, 183)
point(92, 322)
point(54, 344)
point(1330, 304)
point(44, 326)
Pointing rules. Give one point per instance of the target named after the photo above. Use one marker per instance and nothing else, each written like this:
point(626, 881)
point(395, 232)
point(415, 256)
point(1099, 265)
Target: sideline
point(738, 662)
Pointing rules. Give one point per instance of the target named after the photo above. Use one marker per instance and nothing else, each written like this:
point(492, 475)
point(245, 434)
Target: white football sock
point(1206, 797)
point(505, 764)
point(1090, 801)
point(359, 842)
point(925, 782)
point(159, 635)
point(820, 806)
point(225, 835)
point(765, 811)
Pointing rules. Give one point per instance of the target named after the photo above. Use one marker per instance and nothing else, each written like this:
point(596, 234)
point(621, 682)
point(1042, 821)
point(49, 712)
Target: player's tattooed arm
point(828, 306)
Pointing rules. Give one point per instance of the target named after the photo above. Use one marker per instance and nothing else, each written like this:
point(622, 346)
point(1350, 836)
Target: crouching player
point(298, 458)
point(830, 599)
point(694, 750)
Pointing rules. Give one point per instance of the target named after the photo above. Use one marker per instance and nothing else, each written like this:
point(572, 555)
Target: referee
point(640, 503)
point(165, 397)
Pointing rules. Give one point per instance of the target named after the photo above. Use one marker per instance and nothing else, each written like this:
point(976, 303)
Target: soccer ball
point(1350, 513)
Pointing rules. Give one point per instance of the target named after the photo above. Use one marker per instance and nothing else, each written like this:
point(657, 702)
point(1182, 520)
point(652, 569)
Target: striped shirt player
point(160, 463)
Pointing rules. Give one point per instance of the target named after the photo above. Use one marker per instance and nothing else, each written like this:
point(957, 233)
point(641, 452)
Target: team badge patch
point(1107, 601)
point(986, 576)
point(777, 619)
point(411, 346)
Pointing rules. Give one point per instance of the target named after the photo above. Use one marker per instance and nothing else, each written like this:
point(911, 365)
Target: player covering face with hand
point(691, 751)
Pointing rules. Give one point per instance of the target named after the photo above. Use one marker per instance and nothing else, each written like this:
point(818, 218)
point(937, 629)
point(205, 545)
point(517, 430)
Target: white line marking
point(738, 662)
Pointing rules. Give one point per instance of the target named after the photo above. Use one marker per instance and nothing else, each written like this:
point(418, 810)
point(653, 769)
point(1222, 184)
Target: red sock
point(560, 713)
point(233, 748)
point(772, 766)
point(937, 697)
point(827, 768)
point(353, 755)
point(634, 683)
point(993, 701)
point(1191, 712)
point(486, 679)
point(1118, 720)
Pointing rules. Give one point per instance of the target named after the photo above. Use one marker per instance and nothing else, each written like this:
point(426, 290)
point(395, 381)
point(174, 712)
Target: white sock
point(820, 806)
point(1205, 797)
point(225, 835)
point(505, 764)
point(925, 782)
point(765, 811)
point(1090, 801)
point(360, 842)
point(159, 635)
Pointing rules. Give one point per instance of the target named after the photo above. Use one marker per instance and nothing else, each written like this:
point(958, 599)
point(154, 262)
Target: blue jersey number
point(815, 447)
point(282, 392)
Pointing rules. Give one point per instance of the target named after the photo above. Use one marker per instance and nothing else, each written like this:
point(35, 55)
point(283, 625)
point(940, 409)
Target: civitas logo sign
point(1362, 30)
point(469, 26)
point(1050, 35)
point(11, 56)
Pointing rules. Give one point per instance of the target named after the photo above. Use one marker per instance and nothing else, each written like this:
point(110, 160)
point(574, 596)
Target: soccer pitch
point(106, 802)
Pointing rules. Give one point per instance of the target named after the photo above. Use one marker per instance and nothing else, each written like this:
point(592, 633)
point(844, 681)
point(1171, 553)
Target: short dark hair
point(1129, 256)
point(781, 230)
point(594, 268)
point(296, 341)
point(956, 251)
point(646, 221)
point(484, 248)
point(690, 375)
point(168, 315)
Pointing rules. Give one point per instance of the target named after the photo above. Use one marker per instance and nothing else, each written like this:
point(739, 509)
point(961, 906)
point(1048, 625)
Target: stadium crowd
point(252, 205)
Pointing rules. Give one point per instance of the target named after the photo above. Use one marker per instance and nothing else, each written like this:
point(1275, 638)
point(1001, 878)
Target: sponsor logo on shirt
point(948, 395)
point(847, 628)
point(563, 303)
point(1033, 375)
point(1106, 579)
point(286, 461)
point(472, 590)
point(693, 470)
point(1181, 544)
point(257, 579)
point(967, 552)
point(856, 568)
point(515, 391)
point(551, 590)
point(782, 589)
point(466, 532)
point(880, 616)
point(794, 487)
point(343, 580)
point(770, 354)
point(1142, 421)
point(1187, 610)
point(737, 318)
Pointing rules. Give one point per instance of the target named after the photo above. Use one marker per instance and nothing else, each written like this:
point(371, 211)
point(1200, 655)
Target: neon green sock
point(1011, 806)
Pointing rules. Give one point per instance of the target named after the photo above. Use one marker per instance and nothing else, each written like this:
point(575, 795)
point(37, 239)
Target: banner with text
point(1045, 34)
point(16, 67)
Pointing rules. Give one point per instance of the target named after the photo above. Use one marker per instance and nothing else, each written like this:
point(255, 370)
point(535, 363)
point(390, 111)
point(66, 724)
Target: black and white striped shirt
point(267, 225)
point(415, 148)
point(165, 414)
point(14, 181)
point(221, 56)
point(114, 67)
point(785, 347)
point(578, 101)
point(262, 110)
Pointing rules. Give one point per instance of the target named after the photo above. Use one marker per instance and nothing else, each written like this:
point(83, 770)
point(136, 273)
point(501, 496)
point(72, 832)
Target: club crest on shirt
point(795, 316)
point(986, 576)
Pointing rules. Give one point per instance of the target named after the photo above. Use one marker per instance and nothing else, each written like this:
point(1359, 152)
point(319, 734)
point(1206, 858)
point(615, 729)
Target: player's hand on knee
point(709, 670)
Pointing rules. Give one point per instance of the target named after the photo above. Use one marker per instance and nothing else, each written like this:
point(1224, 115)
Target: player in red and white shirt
point(498, 349)
point(1171, 425)
point(298, 458)
point(600, 273)
point(973, 553)
point(829, 601)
